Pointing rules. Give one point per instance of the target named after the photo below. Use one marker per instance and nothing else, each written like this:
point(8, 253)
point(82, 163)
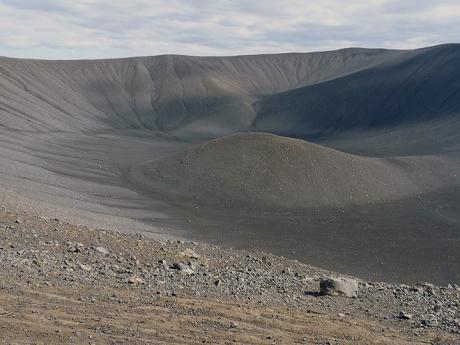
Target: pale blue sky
point(67, 29)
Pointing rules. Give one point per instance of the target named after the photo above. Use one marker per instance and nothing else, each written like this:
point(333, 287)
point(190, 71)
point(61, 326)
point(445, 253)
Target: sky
point(89, 29)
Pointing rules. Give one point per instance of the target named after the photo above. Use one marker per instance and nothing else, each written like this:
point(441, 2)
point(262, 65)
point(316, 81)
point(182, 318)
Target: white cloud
point(104, 28)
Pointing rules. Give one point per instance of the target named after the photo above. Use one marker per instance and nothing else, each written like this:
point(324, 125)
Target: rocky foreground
point(66, 284)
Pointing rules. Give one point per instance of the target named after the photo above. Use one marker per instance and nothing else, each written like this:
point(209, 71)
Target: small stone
point(217, 282)
point(341, 315)
point(135, 280)
point(190, 254)
point(427, 287)
point(84, 267)
point(233, 325)
point(431, 321)
point(164, 263)
point(178, 266)
point(188, 271)
point(74, 247)
point(339, 287)
point(404, 316)
point(102, 250)
point(417, 289)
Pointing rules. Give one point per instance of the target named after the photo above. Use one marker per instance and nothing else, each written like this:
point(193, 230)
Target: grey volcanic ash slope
point(202, 97)
point(264, 170)
point(189, 95)
point(408, 90)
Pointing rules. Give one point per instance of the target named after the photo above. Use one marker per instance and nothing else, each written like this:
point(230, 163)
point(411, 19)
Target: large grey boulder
point(339, 287)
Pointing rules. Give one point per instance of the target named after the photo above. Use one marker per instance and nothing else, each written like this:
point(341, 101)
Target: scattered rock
point(178, 266)
point(404, 316)
point(74, 247)
point(429, 322)
point(164, 263)
point(188, 271)
point(189, 253)
point(84, 267)
point(339, 287)
point(102, 250)
point(428, 287)
point(416, 289)
point(233, 324)
point(135, 280)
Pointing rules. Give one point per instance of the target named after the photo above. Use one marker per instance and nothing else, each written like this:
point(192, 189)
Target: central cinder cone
point(263, 170)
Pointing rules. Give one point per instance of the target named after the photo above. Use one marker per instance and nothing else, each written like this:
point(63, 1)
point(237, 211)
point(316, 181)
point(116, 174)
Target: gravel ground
point(62, 283)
